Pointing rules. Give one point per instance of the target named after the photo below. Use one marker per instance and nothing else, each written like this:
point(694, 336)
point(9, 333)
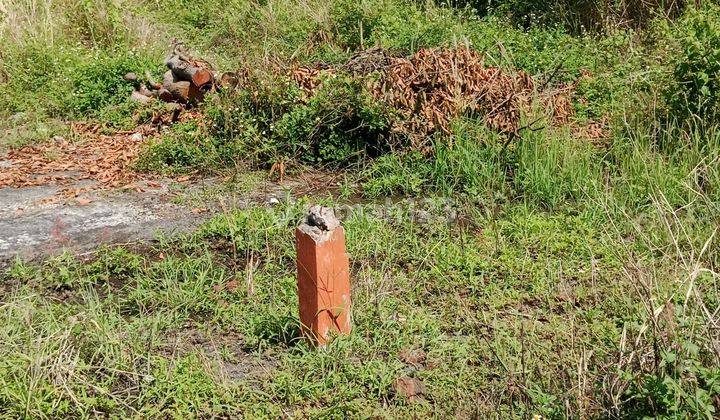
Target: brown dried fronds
point(436, 85)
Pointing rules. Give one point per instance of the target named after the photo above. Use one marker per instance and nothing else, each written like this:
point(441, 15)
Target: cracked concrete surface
point(30, 229)
point(35, 223)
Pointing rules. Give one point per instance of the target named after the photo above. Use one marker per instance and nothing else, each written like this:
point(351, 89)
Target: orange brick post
point(323, 276)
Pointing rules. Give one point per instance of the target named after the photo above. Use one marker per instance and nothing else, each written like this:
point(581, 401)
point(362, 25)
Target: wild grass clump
point(65, 60)
point(695, 80)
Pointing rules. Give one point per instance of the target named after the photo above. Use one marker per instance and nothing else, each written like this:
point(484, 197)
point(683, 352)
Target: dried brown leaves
point(105, 159)
point(436, 85)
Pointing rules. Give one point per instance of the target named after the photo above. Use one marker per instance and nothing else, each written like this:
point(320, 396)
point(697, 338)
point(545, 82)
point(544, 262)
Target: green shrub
point(72, 82)
point(36, 78)
point(100, 23)
point(184, 148)
point(246, 118)
point(695, 88)
point(354, 21)
point(339, 124)
point(407, 28)
point(98, 82)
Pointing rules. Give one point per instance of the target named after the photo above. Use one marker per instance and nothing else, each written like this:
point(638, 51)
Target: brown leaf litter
point(436, 85)
point(104, 159)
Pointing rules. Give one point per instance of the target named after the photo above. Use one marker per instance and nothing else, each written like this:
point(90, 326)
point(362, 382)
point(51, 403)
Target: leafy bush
point(35, 78)
point(695, 88)
point(338, 125)
point(354, 21)
point(408, 27)
point(71, 82)
point(98, 82)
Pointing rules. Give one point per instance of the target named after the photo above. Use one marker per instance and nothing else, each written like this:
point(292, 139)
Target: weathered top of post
point(319, 222)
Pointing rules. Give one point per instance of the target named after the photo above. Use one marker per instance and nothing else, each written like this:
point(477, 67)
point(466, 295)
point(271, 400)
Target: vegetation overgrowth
point(548, 272)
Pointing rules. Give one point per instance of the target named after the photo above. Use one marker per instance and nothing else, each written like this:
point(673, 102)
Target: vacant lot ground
point(530, 191)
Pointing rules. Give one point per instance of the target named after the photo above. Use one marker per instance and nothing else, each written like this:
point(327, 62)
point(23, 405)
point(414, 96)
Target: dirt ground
point(40, 220)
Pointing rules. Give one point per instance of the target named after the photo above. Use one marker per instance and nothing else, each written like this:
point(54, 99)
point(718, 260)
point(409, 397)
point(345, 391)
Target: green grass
point(529, 312)
point(573, 278)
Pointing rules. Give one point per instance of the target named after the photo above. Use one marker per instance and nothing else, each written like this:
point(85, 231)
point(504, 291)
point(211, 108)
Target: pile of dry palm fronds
point(436, 85)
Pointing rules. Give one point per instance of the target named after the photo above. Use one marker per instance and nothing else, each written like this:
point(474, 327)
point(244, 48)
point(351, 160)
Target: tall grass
point(27, 20)
point(65, 59)
point(94, 23)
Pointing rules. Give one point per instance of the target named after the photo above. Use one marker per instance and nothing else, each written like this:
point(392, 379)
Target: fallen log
point(140, 98)
point(186, 81)
point(164, 94)
point(186, 71)
point(202, 78)
point(181, 90)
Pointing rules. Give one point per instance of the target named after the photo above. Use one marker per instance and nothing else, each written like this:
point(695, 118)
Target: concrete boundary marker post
point(323, 276)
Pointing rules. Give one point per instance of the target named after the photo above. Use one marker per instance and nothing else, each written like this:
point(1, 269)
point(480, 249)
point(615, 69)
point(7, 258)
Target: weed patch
point(515, 280)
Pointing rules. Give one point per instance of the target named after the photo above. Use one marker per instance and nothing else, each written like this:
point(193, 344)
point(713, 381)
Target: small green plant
point(683, 386)
point(36, 78)
point(695, 89)
point(98, 83)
